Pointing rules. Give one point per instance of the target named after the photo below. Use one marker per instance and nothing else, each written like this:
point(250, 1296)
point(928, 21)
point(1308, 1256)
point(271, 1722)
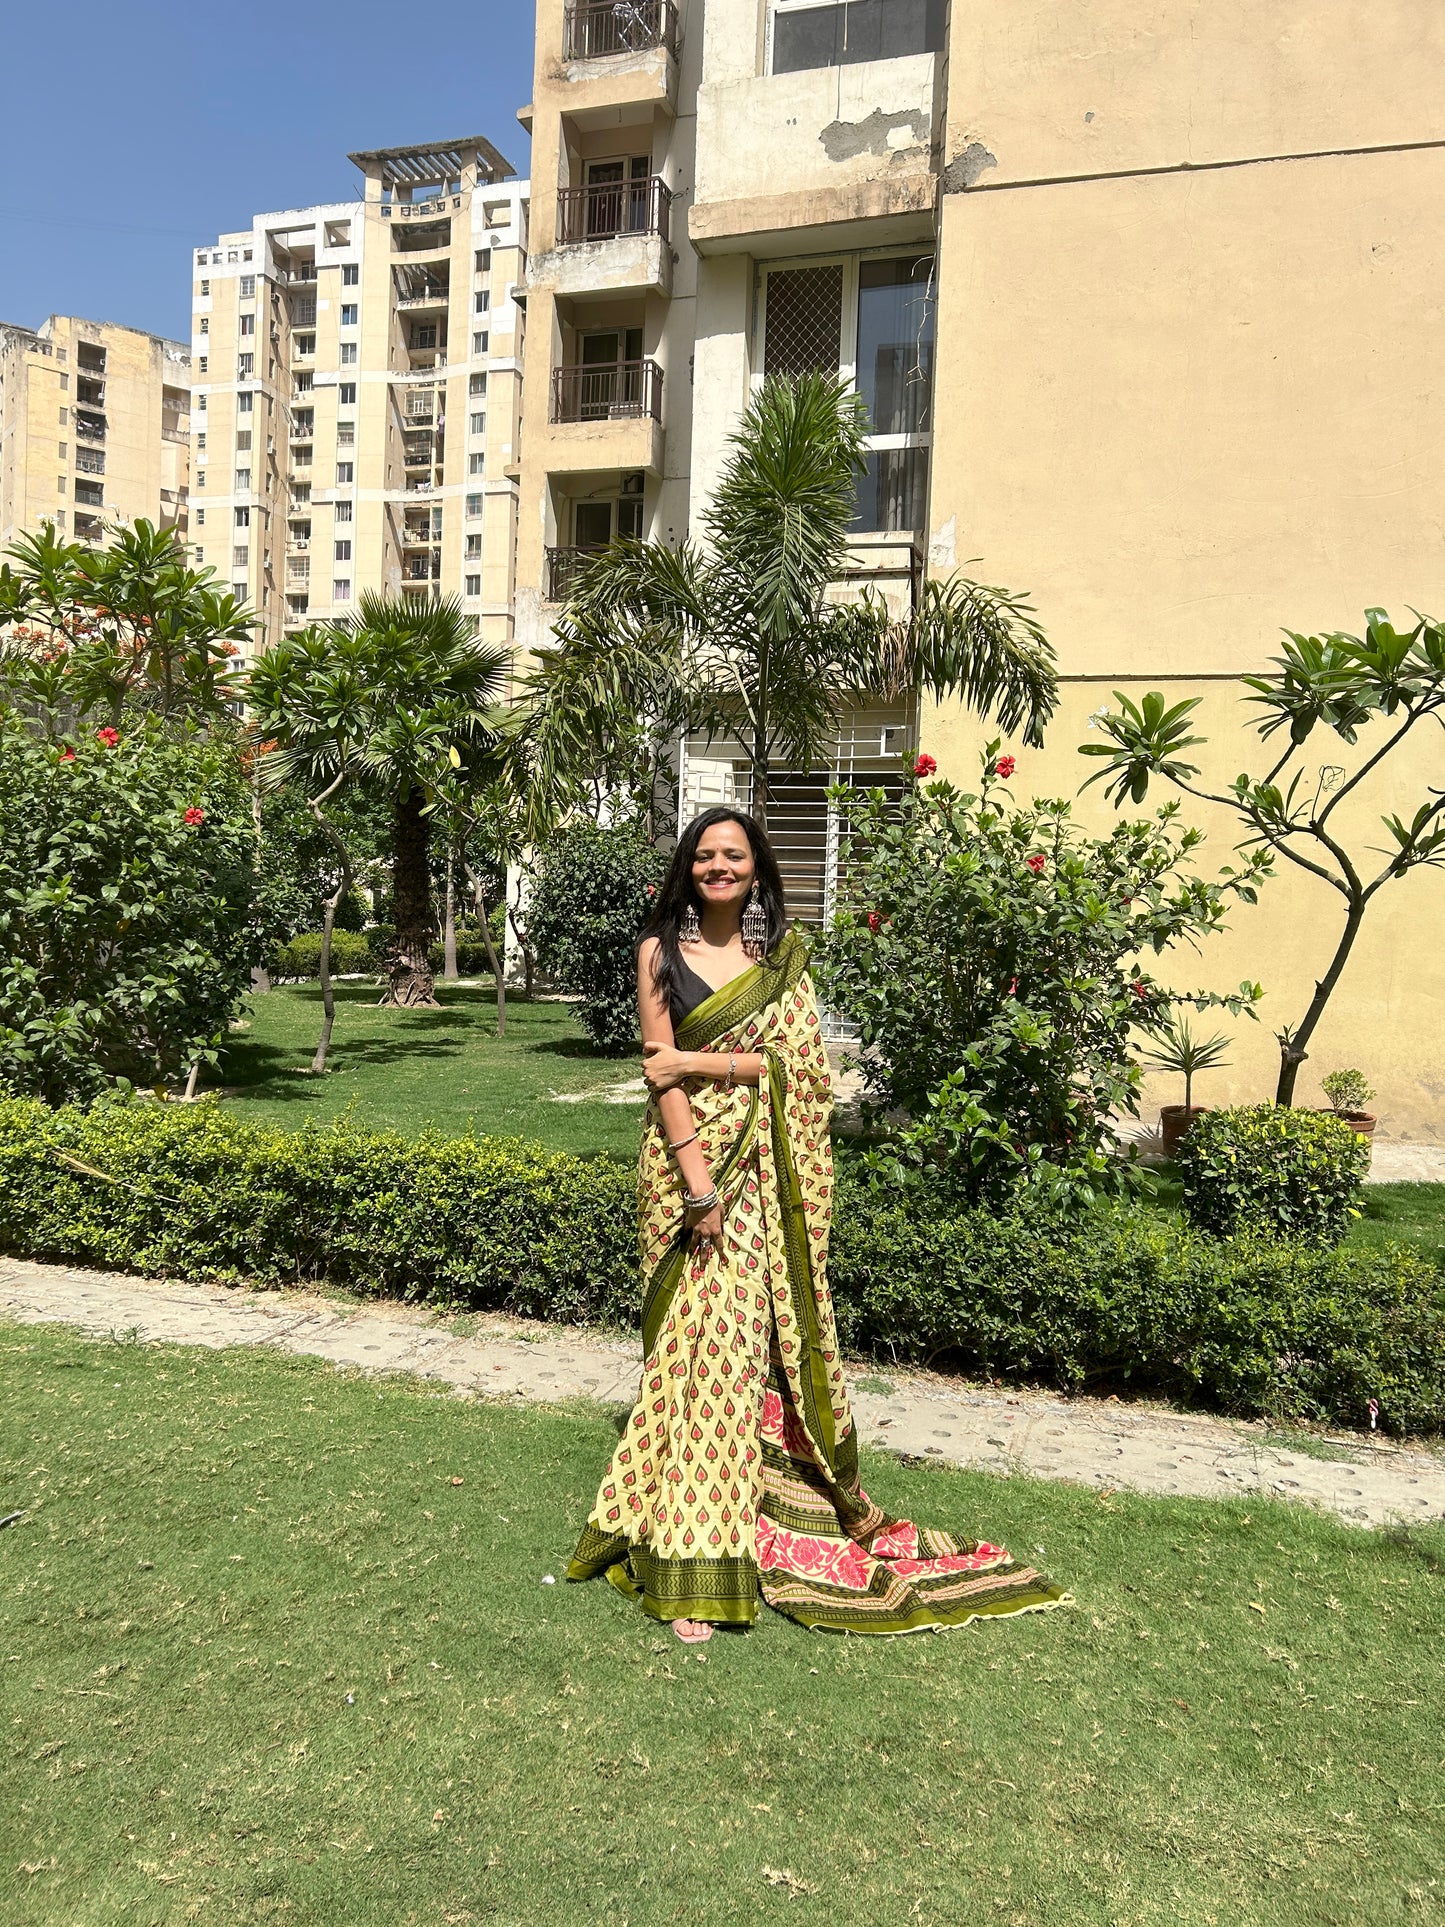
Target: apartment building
point(358, 372)
point(94, 427)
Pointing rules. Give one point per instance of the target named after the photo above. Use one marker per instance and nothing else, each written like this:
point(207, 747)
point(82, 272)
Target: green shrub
point(471, 955)
point(125, 891)
point(300, 958)
point(1265, 1169)
point(1118, 1297)
point(591, 897)
point(989, 955)
point(1101, 1298)
point(196, 1193)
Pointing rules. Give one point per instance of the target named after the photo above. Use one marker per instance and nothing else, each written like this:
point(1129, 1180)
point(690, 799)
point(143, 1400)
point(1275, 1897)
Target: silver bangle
point(704, 1203)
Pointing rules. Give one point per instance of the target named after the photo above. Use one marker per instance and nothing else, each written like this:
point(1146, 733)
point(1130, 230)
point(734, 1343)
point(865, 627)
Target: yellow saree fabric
point(736, 1477)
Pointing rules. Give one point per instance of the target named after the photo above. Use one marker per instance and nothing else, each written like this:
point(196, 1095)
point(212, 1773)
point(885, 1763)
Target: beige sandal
point(697, 1634)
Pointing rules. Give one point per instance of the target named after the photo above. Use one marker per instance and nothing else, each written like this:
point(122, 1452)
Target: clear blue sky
point(132, 133)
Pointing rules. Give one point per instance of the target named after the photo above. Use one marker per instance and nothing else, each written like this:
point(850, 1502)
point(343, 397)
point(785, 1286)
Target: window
point(201, 442)
point(305, 344)
point(305, 383)
point(348, 314)
point(91, 493)
point(350, 274)
point(346, 434)
point(200, 478)
point(474, 548)
point(343, 551)
point(346, 394)
point(474, 585)
point(481, 301)
point(477, 385)
point(803, 320)
point(242, 518)
point(200, 555)
point(60, 485)
point(200, 518)
point(240, 557)
point(205, 365)
point(341, 589)
point(343, 511)
point(476, 464)
point(205, 324)
point(248, 287)
point(484, 260)
point(348, 354)
point(301, 492)
point(247, 325)
point(205, 287)
point(245, 366)
point(238, 591)
point(243, 439)
point(806, 34)
point(65, 412)
point(62, 451)
point(245, 404)
point(477, 424)
point(479, 343)
point(243, 481)
point(423, 334)
point(474, 507)
point(346, 471)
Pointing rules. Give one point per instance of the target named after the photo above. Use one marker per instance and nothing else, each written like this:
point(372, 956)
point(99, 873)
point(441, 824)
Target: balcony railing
point(89, 431)
point(603, 210)
point(596, 28)
point(90, 461)
point(607, 391)
point(564, 566)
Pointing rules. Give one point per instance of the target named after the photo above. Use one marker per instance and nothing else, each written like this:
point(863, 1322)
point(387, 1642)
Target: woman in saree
point(736, 1477)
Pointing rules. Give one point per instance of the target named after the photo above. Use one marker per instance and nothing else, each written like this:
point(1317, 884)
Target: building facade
point(1142, 307)
point(94, 428)
point(358, 380)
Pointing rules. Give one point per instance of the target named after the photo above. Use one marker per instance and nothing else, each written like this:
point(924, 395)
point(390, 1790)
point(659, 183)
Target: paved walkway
point(1098, 1443)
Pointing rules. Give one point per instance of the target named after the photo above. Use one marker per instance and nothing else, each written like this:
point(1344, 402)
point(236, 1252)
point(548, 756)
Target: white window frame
point(848, 333)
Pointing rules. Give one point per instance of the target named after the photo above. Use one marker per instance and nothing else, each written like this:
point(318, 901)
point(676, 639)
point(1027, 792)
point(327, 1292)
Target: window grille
point(804, 321)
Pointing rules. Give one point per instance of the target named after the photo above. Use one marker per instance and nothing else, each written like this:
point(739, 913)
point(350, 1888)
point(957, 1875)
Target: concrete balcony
point(619, 53)
point(613, 238)
point(607, 391)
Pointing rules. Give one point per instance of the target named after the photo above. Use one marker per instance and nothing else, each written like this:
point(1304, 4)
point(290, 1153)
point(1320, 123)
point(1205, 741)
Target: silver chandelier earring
point(689, 927)
point(755, 927)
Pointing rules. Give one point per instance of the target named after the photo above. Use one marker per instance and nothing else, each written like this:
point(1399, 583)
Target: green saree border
point(722, 1591)
point(746, 995)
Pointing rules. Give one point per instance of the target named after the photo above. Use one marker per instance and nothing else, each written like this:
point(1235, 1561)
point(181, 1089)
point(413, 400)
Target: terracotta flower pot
point(1174, 1123)
point(1361, 1121)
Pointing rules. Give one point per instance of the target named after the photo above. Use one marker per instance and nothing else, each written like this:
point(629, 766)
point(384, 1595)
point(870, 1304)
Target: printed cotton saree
point(736, 1477)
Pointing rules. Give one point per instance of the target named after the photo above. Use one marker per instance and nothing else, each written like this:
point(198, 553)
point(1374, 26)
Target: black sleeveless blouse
point(687, 993)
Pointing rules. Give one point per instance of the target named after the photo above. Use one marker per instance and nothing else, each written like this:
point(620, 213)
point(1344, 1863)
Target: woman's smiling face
point(723, 867)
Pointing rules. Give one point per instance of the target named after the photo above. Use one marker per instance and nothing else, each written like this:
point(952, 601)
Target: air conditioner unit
point(633, 484)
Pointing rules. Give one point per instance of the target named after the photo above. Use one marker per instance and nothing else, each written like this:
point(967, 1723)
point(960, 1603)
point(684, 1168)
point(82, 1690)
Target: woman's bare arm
point(672, 1105)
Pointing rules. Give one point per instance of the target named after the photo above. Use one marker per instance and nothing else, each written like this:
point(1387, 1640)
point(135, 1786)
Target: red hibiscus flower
point(1005, 767)
point(1037, 862)
point(1013, 986)
point(67, 756)
point(110, 737)
point(925, 766)
point(652, 889)
point(875, 922)
point(1138, 987)
point(193, 816)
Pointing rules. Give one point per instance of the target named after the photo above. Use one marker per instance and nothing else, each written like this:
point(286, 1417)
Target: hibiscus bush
point(126, 869)
point(592, 894)
point(989, 956)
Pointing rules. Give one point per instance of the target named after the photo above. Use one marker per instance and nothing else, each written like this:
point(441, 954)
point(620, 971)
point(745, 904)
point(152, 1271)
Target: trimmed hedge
point(1111, 1297)
point(299, 958)
point(1267, 1169)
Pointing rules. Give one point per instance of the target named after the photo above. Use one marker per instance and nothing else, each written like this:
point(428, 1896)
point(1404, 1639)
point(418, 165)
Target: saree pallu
point(736, 1476)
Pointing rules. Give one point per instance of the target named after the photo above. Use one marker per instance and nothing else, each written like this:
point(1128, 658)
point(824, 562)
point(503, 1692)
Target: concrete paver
point(1101, 1443)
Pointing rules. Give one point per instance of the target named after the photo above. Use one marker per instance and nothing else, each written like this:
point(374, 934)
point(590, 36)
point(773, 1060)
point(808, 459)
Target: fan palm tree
point(740, 634)
point(382, 699)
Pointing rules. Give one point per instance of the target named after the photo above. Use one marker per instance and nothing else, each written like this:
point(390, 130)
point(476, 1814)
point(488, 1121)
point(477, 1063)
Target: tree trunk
point(410, 983)
point(328, 924)
point(759, 807)
point(499, 975)
point(450, 972)
point(1292, 1044)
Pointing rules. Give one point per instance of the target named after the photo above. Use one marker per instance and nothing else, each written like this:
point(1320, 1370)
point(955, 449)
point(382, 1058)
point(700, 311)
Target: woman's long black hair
point(677, 893)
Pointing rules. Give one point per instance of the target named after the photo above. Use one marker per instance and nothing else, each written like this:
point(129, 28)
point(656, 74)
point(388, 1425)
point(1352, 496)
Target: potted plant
point(1177, 1049)
point(1349, 1094)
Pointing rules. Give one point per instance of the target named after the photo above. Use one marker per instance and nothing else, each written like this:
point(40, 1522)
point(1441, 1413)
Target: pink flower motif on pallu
point(982, 1559)
point(837, 1562)
point(900, 1541)
point(772, 1417)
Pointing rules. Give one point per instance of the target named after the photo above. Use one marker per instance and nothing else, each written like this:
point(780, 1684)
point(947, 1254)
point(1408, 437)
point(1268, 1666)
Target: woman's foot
point(692, 1632)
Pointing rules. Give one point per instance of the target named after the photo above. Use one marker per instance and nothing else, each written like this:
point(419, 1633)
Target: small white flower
point(548, 1580)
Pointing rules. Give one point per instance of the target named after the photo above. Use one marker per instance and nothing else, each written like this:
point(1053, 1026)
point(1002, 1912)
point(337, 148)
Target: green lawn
point(263, 1660)
point(410, 1070)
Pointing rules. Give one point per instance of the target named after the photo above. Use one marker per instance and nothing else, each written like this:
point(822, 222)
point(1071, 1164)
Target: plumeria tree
point(1371, 693)
point(744, 634)
point(87, 632)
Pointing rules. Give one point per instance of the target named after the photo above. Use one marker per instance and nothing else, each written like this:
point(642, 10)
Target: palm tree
point(740, 634)
point(383, 699)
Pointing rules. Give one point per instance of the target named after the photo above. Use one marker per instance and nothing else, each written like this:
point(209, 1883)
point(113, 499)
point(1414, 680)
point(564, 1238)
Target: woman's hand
point(706, 1227)
point(663, 1068)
